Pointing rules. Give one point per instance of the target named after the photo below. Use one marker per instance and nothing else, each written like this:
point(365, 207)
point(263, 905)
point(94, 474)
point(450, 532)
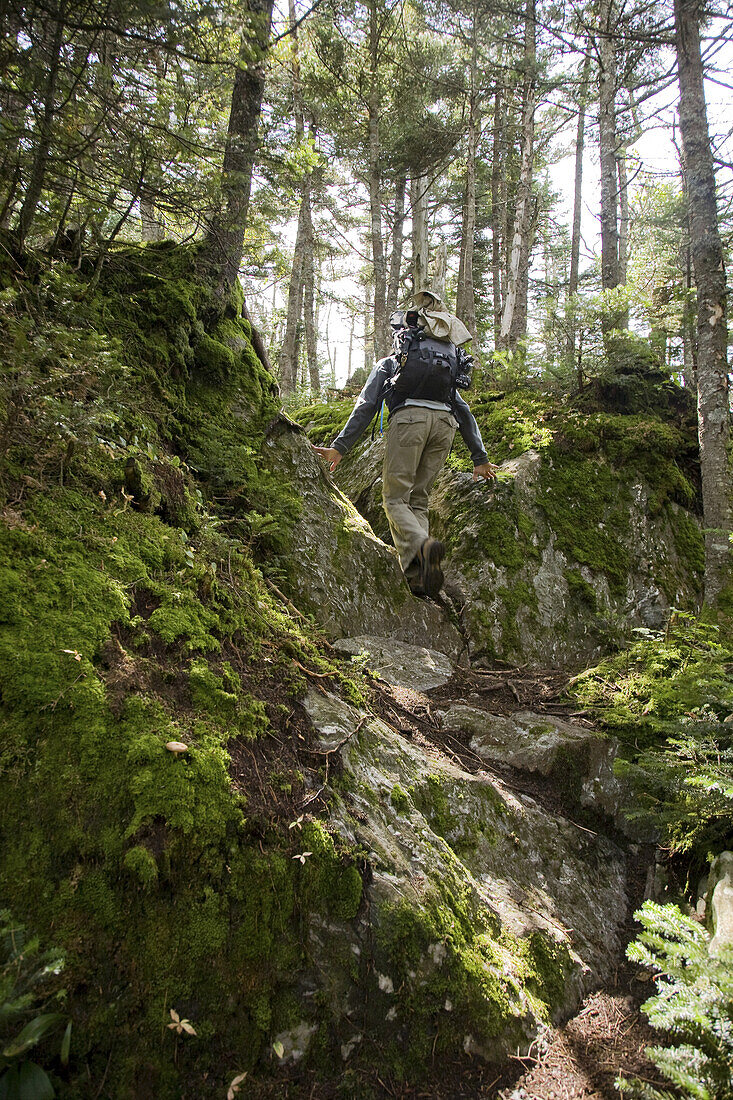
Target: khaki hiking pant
point(418, 441)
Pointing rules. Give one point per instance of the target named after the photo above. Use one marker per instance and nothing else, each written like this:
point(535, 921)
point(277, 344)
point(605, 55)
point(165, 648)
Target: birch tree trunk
point(511, 325)
point(224, 244)
point(712, 331)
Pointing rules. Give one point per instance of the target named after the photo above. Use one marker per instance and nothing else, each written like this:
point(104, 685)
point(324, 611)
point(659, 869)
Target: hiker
point(418, 383)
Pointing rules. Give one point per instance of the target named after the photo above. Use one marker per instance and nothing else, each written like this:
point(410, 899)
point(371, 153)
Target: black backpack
point(426, 369)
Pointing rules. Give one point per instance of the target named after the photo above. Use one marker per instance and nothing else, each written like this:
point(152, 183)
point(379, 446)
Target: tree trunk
point(607, 139)
point(224, 244)
point(382, 339)
point(465, 298)
point(518, 332)
point(570, 310)
point(511, 326)
point(45, 130)
point(398, 237)
point(288, 361)
point(440, 271)
point(151, 226)
point(309, 296)
point(712, 331)
point(419, 203)
point(369, 356)
point(496, 215)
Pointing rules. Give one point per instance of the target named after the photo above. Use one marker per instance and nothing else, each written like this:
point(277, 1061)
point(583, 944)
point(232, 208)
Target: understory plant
point(692, 1008)
point(30, 999)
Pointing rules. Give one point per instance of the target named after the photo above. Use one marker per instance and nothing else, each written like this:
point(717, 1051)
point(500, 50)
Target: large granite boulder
point(484, 916)
point(556, 559)
point(337, 568)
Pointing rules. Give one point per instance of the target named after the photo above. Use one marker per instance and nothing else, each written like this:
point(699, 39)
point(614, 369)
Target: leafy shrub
point(693, 1007)
point(27, 993)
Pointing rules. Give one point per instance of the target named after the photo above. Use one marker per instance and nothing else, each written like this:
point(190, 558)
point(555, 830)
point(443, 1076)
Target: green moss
point(324, 422)
point(549, 965)
point(689, 541)
point(127, 621)
point(520, 598)
point(580, 589)
point(588, 510)
point(331, 879)
point(400, 799)
point(141, 863)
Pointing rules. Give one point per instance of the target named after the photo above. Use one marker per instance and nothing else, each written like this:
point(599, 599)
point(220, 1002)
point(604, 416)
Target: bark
point(151, 226)
point(570, 318)
point(398, 237)
point(45, 130)
point(712, 330)
point(623, 222)
point(496, 215)
point(288, 361)
point(368, 330)
point(513, 325)
point(309, 295)
point(419, 203)
point(440, 273)
point(465, 297)
point(382, 330)
point(519, 322)
point(224, 245)
point(607, 139)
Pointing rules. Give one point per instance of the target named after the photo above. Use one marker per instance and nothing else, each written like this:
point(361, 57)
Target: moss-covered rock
point(590, 528)
point(466, 940)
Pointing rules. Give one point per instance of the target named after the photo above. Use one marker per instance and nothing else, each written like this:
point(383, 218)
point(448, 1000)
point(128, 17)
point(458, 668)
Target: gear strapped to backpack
point(427, 369)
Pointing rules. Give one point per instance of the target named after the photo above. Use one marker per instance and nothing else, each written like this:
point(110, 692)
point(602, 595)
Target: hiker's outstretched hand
point(331, 455)
point(486, 469)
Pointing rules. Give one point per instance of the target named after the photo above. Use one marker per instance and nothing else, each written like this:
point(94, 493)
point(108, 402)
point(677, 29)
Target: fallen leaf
point(234, 1086)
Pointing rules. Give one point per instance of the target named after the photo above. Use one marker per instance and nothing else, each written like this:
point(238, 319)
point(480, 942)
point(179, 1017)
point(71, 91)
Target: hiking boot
point(430, 556)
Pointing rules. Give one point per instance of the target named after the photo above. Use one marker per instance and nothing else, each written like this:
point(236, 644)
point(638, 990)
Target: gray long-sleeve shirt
point(371, 397)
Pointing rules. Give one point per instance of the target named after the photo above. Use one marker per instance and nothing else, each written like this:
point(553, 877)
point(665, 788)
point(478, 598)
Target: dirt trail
point(580, 1059)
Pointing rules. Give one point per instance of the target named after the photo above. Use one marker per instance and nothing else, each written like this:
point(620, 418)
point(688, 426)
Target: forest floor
point(577, 1060)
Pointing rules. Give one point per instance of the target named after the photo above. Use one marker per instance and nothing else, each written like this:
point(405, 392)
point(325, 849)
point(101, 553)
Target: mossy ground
point(669, 700)
point(134, 528)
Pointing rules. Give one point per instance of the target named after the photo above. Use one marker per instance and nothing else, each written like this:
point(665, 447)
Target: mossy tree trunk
point(712, 329)
point(225, 240)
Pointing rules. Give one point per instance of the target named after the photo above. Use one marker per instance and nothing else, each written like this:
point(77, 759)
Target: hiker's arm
point(469, 429)
point(366, 407)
